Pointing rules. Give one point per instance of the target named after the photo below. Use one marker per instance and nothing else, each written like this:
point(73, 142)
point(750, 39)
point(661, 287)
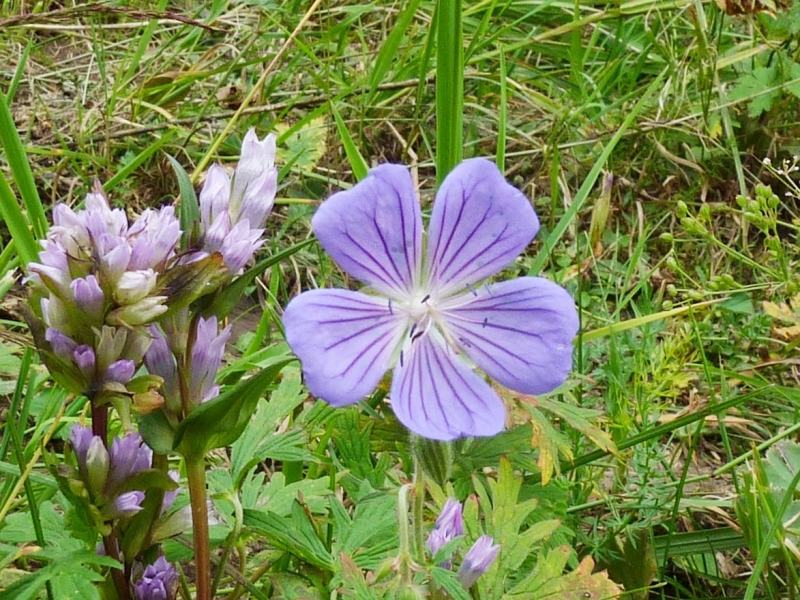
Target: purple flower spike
point(158, 582)
point(432, 311)
point(128, 456)
point(477, 561)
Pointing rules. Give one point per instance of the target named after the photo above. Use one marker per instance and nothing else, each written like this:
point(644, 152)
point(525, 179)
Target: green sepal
point(144, 383)
point(183, 284)
point(434, 458)
point(221, 421)
point(149, 479)
point(188, 208)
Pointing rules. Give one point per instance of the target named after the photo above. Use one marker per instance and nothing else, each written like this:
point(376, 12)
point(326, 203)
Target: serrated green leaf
point(751, 86)
point(372, 534)
point(295, 534)
point(447, 580)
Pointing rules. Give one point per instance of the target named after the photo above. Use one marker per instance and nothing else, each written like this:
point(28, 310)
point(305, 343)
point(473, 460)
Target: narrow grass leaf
point(388, 52)
point(588, 183)
point(449, 88)
point(502, 118)
point(21, 170)
point(17, 224)
point(137, 161)
point(357, 162)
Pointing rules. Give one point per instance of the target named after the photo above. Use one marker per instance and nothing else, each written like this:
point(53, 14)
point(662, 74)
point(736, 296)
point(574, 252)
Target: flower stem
point(118, 575)
point(419, 506)
point(196, 471)
point(404, 552)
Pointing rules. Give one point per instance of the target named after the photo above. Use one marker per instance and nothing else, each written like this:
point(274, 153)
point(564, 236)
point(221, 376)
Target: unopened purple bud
point(110, 346)
point(153, 238)
point(449, 526)
point(207, 354)
point(89, 297)
point(170, 495)
point(129, 455)
point(63, 346)
point(240, 245)
point(160, 361)
point(120, 371)
point(126, 504)
point(80, 437)
point(85, 359)
point(214, 197)
point(96, 468)
point(158, 582)
point(54, 279)
point(134, 285)
point(115, 262)
point(255, 181)
point(477, 561)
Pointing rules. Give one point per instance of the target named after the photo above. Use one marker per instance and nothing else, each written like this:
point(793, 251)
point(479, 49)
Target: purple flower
point(153, 238)
point(158, 582)
point(120, 371)
point(233, 213)
point(160, 361)
point(63, 346)
point(449, 526)
point(129, 455)
point(85, 359)
point(430, 310)
point(209, 346)
point(80, 437)
point(88, 297)
point(125, 505)
point(477, 561)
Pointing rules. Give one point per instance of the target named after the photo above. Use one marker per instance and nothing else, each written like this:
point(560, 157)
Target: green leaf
point(189, 207)
point(357, 163)
point(388, 52)
point(21, 170)
point(157, 432)
point(17, 224)
point(547, 581)
point(751, 86)
point(137, 160)
point(372, 534)
point(295, 534)
point(447, 580)
point(220, 422)
point(449, 88)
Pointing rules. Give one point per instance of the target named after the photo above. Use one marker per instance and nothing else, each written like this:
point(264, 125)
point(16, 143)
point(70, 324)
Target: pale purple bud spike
point(95, 470)
point(89, 297)
point(120, 371)
point(477, 561)
point(114, 262)
point(160, 361)
point(449, 526)
point(129, 455)
point(158, 582)
point(63, 345)
point(207, 354)
point(126, 504)
point(85, 359)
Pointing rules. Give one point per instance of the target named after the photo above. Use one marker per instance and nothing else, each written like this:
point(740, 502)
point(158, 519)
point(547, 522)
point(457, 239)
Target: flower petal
point(519, 332)
point(479, 225)
point(436, 395)
point(374, 230)
point(345, 341)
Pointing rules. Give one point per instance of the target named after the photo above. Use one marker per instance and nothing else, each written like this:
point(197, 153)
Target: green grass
point(678, 364)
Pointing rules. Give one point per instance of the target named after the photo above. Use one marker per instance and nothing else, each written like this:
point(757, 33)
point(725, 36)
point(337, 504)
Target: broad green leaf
point(580, 584)
point(372, 534)
point(220, 422)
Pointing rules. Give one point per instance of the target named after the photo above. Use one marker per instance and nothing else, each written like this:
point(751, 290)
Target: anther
point(391, 312)
point(472, 289)
point(485, 321)
point(418, 335)
point(401, 358)
point(426, 298)
point(413, 329)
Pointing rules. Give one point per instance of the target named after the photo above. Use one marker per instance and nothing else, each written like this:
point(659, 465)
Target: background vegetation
point(639, 128)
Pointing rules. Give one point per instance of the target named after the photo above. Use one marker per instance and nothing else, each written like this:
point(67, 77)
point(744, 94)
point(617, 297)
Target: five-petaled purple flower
point(430, 312)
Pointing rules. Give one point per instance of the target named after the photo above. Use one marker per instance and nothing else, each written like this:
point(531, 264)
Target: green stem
point(419, 506)
point(404, 551)
point(196, 471)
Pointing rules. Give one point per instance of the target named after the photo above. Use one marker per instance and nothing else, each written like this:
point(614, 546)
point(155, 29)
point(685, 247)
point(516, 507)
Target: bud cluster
point(448, 527)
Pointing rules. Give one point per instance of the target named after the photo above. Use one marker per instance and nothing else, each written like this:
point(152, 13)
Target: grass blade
point(388, 51)
point(21, 170)
point(17, 224)
point(357, 162)
point(449, 88)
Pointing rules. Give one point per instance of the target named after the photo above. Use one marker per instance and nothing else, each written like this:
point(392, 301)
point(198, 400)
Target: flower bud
point(158, 582)
point(125, 505)
point(141, 313)
point(120, 371)
point(63, 346)
point(96, 467)
point(85, 359)
point(134, 285)
point(477, 561)
point(89, 297)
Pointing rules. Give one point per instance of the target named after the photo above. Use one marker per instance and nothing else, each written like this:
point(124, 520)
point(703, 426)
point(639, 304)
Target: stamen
point(391, 312)
point(465, 342)
point(472, 289)
point(401, 358)
point(426, 298)
point(419, 335)
point(485, 321)
point(413, 329)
